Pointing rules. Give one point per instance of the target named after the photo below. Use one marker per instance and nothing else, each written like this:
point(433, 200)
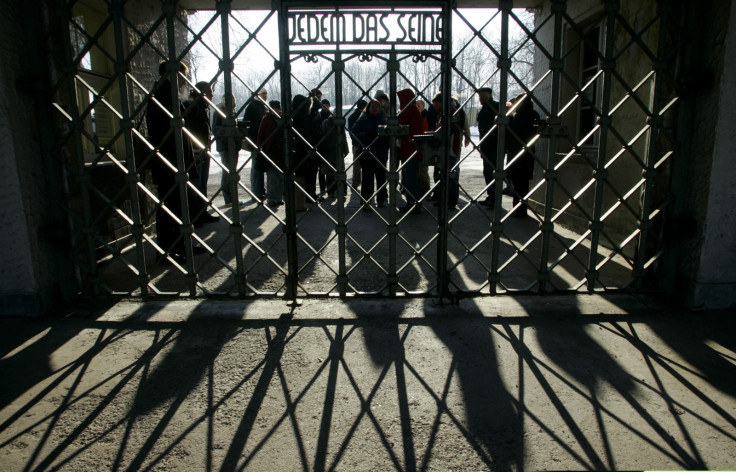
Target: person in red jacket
point(410, 115)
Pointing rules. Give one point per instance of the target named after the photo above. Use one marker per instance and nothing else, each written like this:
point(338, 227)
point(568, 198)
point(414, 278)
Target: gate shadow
point(399, 385)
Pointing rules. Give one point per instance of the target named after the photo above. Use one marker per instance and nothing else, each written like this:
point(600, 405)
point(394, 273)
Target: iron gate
point(600, 81)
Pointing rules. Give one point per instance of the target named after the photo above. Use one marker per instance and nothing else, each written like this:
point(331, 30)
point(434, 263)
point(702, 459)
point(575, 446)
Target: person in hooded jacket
point(374, 153)
point(410, 115)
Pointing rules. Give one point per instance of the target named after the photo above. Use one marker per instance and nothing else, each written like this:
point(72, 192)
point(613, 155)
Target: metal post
point(236, 228)
point(338, 66)
point(502, 121)
point(554, 125)
point(292, 272)
point(600, 173)
point(655, 125)
point(80, 172)
point(169, 10)
point(443, 228)
point(392, 179)
point(126, 123)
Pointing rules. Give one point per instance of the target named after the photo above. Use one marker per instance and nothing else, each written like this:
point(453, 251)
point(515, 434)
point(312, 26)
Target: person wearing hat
point(253, 115)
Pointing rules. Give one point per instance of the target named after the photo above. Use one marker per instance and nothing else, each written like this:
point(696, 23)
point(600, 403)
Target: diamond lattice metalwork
point(588, 217)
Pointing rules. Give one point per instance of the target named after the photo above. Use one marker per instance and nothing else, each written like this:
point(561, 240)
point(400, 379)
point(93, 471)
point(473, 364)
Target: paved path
point(528, 383)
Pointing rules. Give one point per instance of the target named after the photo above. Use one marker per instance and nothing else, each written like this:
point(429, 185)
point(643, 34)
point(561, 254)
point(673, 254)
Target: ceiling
point(270, 4)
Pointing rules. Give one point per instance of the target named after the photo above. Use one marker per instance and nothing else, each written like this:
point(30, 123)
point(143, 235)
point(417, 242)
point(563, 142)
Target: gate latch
point(430, 145)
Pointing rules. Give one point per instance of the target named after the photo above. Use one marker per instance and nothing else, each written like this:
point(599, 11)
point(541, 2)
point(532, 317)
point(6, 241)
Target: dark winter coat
point(365, 130)
point(299, 147)
point(351, 122)
point(333, 149)
point(158, 123)
point(524, 125)
point(486, 119)
point(198, 120)
point(253, 115)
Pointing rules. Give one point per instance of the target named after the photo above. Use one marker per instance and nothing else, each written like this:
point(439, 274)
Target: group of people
point(370, 148)
point(315, 150)
point(261, 126)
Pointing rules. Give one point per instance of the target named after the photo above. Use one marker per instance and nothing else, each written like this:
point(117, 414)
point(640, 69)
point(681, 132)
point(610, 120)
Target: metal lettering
point(333, 27)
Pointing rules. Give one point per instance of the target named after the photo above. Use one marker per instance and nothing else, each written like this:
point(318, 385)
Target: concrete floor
point(526, 383)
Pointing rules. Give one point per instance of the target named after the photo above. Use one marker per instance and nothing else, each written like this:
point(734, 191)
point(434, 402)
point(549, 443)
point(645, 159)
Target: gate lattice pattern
point(600, 84)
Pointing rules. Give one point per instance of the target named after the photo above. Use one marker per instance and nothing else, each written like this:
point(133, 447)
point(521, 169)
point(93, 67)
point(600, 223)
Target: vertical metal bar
point(224, 8)
point(502, 121)
point(554, 125)
point(169, 10)
point(292, 272)
point(339, 179)
point(443, 281)
point(80, 172)
point(655, 125)
point(672, 278)
point(392, 179)
point(127, 123)
point(600, 174)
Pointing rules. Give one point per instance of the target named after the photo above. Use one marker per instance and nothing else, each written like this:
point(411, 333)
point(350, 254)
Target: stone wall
point(40, 240)
point(18, 288)
point(710, 68)
point(35, 273)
